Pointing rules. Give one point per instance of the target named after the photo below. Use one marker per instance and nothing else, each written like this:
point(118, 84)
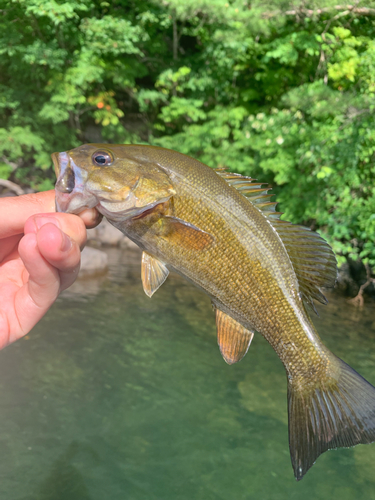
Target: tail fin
point(339, 412)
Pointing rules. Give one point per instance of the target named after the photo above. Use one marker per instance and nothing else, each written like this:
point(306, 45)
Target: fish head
point(119, 185)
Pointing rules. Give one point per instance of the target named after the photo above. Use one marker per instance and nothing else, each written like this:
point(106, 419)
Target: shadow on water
point(117, 396)
point(64, 480)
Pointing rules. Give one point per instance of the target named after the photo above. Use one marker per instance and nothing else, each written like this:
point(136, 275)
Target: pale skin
point(39, 258)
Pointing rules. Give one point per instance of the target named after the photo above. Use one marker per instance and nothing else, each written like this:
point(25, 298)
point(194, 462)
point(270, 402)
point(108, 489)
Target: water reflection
point(118, 396)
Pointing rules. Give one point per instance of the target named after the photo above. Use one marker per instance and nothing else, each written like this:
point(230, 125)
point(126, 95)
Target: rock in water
point(93, 261)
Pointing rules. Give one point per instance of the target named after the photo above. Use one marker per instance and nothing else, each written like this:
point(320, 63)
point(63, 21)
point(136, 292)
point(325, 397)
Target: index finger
point(15, 211)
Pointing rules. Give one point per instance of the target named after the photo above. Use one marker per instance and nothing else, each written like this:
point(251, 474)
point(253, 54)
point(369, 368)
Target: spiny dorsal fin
point(256, 192)
point(234, 340)
point(312, 258)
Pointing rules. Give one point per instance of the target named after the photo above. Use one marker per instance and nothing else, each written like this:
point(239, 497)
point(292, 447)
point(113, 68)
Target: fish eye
point(102, 158)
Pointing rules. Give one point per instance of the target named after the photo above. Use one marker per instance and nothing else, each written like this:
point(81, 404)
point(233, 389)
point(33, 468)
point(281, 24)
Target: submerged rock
point(93, 261)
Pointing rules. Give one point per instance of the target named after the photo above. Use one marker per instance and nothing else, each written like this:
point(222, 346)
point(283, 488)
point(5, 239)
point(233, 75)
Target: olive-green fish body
point(246, 270)
point(257, 270)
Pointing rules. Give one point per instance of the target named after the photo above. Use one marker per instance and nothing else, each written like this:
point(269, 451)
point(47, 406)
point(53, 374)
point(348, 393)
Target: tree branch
point(11, 164)
point(12, 187)
point(358, 299)
point(175, 38)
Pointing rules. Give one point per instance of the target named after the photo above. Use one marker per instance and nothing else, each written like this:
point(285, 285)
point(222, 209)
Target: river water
point(117, 396)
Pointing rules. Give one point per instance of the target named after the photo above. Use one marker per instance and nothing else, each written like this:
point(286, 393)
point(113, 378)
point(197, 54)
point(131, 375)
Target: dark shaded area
point(64, 480)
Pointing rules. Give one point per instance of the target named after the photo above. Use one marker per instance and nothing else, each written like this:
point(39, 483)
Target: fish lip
point(82, 201)
point(130, 213)
point(55, 160)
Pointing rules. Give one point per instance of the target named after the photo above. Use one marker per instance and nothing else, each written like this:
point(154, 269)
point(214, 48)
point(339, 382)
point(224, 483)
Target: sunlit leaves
point(111, 35)
point(56, 12)
point(172, 81)
point(20, 142)
point(189, 109)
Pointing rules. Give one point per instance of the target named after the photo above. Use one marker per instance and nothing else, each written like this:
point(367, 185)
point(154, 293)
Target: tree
point(282, 94)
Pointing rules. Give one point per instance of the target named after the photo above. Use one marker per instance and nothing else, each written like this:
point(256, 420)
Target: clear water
point(116, 396)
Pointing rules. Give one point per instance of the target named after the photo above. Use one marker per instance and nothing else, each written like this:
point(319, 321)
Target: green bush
point(284, 96)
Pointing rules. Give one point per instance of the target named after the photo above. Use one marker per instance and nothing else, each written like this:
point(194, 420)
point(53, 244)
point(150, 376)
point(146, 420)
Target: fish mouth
point(55, 160)
point(71, 194)
point(74, 204)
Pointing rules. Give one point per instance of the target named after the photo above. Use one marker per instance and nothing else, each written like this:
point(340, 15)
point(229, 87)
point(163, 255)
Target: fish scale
point(254, 282)
point(221, 232)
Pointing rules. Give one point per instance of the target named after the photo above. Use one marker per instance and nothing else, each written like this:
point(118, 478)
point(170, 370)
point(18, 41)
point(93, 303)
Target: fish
point(221, 231)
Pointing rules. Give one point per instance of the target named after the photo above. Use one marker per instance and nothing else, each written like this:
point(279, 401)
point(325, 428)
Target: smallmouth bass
point(221, 231)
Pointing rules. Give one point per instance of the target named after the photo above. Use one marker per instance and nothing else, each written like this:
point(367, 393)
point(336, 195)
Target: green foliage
point(286, 98)
point(5, 171)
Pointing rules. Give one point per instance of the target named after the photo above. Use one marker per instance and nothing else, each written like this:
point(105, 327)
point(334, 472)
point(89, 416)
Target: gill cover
point(132, 189)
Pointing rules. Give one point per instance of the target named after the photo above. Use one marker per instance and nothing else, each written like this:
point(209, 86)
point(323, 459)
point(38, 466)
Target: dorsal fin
point(256, 192)
point(312, 258)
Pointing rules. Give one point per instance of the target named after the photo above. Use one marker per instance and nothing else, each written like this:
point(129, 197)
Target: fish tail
point(338, 411)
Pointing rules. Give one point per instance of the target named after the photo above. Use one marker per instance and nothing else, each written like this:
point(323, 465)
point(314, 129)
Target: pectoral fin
point(154, 273)
point(185, 234)
point(234, 340)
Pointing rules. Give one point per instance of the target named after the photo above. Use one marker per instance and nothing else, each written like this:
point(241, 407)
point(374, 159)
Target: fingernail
point(66, 243)
point(42, 220)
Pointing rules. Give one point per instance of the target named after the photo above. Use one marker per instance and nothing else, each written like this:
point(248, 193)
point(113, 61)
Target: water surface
point(118, 396)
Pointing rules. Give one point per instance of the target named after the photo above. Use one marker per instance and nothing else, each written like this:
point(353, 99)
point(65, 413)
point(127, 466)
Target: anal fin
point(234, 340)
point(154, 273)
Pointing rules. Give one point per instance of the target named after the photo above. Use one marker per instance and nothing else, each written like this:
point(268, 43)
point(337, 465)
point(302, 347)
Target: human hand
point(39, 258)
